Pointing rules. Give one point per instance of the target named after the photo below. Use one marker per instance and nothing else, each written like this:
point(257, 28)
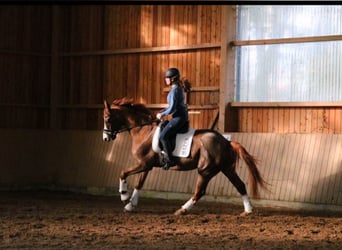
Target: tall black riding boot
point(170, 159)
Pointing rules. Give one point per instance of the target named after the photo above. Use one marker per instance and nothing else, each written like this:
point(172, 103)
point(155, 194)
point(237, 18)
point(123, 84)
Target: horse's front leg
point(123, 190)
point(133, 202)
point(123, 187)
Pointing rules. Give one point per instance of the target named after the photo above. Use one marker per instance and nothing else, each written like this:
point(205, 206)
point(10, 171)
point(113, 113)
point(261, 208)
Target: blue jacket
point(176, 106)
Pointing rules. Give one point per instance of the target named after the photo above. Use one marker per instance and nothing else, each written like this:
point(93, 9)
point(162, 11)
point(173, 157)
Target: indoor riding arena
point(266, 77)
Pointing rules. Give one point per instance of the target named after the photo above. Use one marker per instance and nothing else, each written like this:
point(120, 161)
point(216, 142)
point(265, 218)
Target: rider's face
point(167, 81)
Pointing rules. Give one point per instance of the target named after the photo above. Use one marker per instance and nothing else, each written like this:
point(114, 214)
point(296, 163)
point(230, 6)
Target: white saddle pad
point(183, 143)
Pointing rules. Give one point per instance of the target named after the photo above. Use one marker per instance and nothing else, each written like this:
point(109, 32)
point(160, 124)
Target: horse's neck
point(142, 133)
point(142, 137)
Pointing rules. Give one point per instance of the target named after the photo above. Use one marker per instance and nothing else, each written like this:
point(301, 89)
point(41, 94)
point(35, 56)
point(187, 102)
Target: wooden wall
point(110, 55)
point(303, 169)
point(60, 62)
point(25, 46)
point(305, 119)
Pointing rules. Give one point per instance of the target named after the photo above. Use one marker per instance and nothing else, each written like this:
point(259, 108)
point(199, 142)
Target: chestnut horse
point(210, 154)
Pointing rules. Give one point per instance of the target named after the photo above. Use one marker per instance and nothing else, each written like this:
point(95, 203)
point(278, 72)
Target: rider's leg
point(165, 135)
point(170, 130)
point(167, 149)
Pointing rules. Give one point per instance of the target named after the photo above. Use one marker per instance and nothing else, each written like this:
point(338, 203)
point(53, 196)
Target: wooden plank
point(327, 195)
point(307, 187)
point(29, 106)
point(170, 48)
point(278, 171)
point(323, 156)
point(206, 74)
point(335, 180)
point(259, 120)
point(265, 120)
point(247, 120)
point(274, 121)
point(200, 89)
point(315, 174)
point(308, 118)
point(328, 116)
point(302, 156)
point(315, 127)
point(282, 122)
point(286, 104)
point(287, 40)
point(249, 125)
point(251, 146)
point(288, 157)
point(297, 124)
point(302, 121)
point(272, 168)
point(172, 26)
point(338, 121)
point(190, 107)
point(269, 162)
point(254, 121)
point(293, 166)
point(24, 53)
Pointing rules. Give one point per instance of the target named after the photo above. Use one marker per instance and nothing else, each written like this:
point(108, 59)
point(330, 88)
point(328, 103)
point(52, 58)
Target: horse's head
point(124, 115)
point(113, 122)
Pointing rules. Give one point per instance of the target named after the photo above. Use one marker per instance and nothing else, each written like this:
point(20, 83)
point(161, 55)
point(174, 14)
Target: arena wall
point(300, 168)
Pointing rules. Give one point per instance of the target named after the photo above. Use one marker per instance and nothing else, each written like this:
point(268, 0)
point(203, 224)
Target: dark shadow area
point(328, 190)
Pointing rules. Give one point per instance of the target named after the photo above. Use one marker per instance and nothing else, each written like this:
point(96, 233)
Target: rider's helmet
point(172, 73)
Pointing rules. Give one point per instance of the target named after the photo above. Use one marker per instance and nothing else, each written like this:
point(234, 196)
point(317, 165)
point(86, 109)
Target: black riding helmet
point(172, 73)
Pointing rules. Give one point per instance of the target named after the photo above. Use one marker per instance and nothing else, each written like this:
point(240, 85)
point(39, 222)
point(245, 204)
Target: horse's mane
point(129, 103)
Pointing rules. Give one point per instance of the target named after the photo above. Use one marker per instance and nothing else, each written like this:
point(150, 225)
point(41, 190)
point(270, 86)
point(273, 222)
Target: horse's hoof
point(181, 211)
point(129, 208)
point(244, 214)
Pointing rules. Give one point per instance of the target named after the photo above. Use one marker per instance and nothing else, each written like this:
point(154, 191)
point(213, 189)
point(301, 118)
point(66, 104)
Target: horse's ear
point(106, 104)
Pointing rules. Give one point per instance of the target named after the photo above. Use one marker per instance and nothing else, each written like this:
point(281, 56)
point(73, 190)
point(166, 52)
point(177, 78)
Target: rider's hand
point(158, 116)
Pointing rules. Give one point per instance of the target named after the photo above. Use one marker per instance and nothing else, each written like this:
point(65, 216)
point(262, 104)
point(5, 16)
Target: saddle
point(180, 144)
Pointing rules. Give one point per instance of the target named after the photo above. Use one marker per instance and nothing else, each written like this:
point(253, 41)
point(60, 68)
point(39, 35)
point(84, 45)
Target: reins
point(115, 132)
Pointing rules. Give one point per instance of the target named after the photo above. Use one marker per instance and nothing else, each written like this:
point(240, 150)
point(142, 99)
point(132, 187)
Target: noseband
point(110, 133)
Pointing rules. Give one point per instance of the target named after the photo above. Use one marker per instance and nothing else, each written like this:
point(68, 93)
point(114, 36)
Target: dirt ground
point(64, 220)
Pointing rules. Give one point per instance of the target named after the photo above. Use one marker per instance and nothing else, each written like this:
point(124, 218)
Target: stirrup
point(169, 164)
point(163, 159)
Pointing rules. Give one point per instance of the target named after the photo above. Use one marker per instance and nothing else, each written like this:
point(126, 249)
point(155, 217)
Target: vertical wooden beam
point(54, 93)
point(227, 67)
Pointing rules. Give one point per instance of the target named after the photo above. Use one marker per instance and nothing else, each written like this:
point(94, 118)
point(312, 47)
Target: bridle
point(112, 133)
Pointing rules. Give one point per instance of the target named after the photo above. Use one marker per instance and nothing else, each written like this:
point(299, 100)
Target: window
point(289, 71)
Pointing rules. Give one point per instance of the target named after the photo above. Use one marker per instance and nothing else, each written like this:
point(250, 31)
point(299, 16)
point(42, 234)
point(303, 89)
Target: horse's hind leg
point(201, 186)
point(241, 188)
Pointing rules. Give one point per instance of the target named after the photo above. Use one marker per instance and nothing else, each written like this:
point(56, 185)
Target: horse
point(210, 153)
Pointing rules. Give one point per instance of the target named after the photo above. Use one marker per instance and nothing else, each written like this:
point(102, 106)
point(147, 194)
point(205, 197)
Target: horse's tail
point(251, 161)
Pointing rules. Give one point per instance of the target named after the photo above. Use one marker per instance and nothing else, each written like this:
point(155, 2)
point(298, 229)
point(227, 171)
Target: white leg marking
point(247, 204)
point(135, 197)
point(189, 204)
point(133, 202)
point(123, 190)
point(123, 186)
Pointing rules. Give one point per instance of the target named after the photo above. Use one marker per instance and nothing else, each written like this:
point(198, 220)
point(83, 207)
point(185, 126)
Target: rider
point(178, 111)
